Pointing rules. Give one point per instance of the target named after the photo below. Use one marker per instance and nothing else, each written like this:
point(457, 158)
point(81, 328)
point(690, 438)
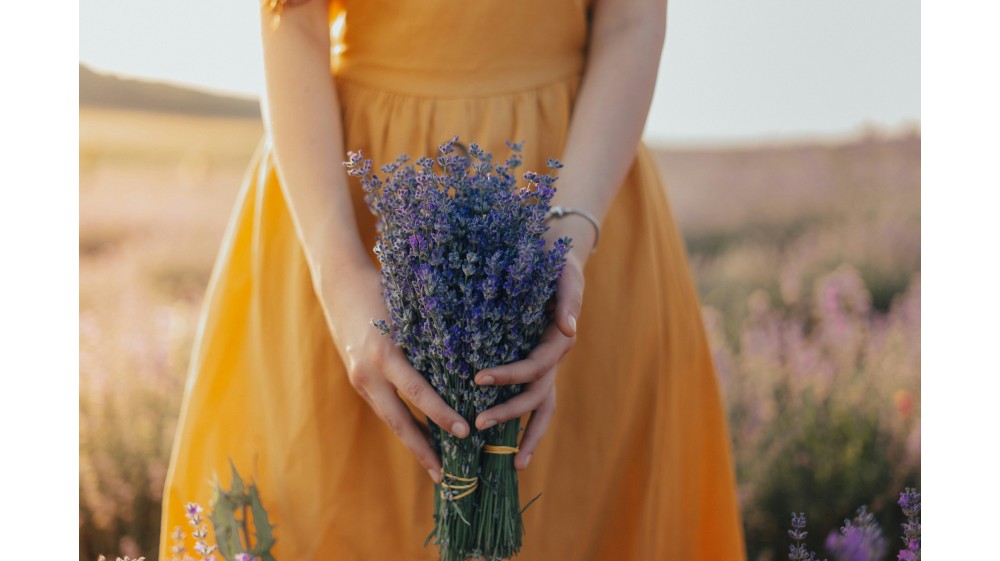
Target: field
point(807, 258)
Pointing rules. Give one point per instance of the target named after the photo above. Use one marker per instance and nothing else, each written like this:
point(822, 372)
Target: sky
point(730, 71)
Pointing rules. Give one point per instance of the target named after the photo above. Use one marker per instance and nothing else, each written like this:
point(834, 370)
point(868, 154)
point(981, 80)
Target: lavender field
point(807, 257)
point(809, 272)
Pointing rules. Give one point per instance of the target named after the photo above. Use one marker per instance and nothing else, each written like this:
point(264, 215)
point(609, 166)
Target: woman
point(289, 379)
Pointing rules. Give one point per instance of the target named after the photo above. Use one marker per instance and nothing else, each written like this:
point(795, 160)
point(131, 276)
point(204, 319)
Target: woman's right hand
point(304, 122)
point(376, 367)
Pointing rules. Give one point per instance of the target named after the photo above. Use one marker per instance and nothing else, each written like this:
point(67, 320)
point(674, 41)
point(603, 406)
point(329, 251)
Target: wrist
point(579, 230)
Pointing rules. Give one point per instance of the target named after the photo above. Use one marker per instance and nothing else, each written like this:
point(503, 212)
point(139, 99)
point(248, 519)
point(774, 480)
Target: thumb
point(569, 300)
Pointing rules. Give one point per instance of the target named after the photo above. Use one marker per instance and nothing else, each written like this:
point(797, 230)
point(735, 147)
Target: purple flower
point(798, 550)
point(192, 510)
point(909, 500)
point(860, 539)
point(465, 271)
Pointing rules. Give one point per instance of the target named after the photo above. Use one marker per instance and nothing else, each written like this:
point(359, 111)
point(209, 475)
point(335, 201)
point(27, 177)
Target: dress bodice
point(445, 48)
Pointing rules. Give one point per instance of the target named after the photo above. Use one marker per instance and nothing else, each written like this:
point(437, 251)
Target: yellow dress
point(636, 463)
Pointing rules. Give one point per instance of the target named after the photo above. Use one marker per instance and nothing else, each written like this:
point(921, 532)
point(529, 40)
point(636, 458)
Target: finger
point(394, 412)
point(517, 406)
point(422, 395)
point(536, 428)
point(542, 358)
point(569, 300)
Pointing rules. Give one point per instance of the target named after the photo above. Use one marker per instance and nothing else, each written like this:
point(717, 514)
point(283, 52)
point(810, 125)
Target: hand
point(538, 370)
point(377, 368)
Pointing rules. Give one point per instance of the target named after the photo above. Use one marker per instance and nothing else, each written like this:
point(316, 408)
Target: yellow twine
point(470, 485)
point(491, 449)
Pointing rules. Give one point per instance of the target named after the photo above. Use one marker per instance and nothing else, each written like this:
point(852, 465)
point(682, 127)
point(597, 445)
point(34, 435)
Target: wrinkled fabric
point(636, 463)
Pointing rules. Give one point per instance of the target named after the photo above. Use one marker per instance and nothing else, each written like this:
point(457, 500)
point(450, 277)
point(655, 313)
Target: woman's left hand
point(538, 370)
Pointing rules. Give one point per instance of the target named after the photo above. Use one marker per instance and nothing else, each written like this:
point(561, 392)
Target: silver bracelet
point(559, 211)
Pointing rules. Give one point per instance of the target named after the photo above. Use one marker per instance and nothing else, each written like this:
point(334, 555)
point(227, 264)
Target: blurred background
point(788, 134)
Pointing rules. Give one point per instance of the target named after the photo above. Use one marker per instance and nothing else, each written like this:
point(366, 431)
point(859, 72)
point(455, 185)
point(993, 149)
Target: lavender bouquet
point(466, 277)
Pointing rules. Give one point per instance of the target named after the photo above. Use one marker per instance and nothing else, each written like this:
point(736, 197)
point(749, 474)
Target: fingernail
point(572, 323)
point(435, 475)
point(488, 424)
point(459, 430)
point(486, 380)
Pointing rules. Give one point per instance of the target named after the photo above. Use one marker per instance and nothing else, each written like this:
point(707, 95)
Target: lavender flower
point(466, 276)
point(798, 550)
point(859, 539)
point(193, 512)
point(909, 500)
point(178, 543)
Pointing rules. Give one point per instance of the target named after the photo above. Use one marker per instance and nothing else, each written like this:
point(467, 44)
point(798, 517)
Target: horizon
point(858, 133)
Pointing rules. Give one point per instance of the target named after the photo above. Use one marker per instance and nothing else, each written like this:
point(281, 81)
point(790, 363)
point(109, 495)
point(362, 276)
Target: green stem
point(454, 516)
point(498, 526)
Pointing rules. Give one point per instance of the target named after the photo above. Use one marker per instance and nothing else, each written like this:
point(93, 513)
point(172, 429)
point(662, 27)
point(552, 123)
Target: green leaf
point(224, 523)
point(262, 526)
point(237, 488)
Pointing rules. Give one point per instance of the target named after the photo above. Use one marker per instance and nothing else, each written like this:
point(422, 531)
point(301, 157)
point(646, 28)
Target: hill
point(99, 89)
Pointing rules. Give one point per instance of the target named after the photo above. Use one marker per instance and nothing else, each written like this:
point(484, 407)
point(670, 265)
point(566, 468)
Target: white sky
point(731, 70)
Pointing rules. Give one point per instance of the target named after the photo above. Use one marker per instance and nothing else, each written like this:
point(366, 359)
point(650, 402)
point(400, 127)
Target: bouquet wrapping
point(467, 277)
